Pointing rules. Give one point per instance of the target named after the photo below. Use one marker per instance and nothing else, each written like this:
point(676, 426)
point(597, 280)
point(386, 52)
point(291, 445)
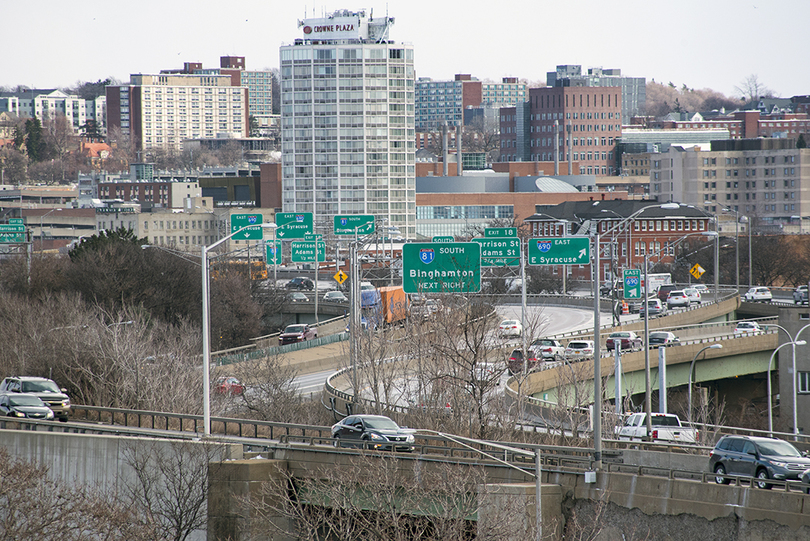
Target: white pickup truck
point(665, 427)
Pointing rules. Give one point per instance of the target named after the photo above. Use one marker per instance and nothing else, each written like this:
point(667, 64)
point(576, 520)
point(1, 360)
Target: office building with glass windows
point(347, 122)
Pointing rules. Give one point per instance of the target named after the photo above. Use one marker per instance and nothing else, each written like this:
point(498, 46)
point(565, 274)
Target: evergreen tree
point(800, 142)
point(34, 142)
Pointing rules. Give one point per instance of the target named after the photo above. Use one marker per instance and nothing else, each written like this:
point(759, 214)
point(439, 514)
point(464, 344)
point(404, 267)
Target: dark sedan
point(374, 431)
point(24, 405)
point(297, 333)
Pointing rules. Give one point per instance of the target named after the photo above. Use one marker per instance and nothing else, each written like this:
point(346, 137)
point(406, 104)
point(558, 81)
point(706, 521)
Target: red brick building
point(587, 119)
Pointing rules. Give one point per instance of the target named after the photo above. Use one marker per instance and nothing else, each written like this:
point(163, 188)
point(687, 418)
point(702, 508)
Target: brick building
point(580, 123)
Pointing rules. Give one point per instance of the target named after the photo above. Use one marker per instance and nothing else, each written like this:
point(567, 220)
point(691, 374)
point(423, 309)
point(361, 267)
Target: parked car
point(664, 338)
point(677, 297)
point(748, 327)
point(335, 296)
point(656, 307)
point(579, 349)
point(297, 296)
point(693, 295)
point(297, 333)
point(762, 458)
point(758, 294)
point(24, 405)
point(548, 349)
point(510, 328)
point(663, 291)
point(376, 431)
point(629, 341)
point(300, 283)
point(45, 389)
point(800, 295)
point(229, 385)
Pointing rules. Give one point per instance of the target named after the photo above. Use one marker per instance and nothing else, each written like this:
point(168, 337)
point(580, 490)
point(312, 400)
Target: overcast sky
point(700, 43)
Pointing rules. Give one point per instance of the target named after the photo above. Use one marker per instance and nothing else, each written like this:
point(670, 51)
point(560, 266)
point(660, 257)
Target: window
point(804, 382)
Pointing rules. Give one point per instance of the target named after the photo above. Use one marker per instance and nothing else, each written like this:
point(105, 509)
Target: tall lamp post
point(795, 341)
point(793, 344)
point(41, 234)
point(597, 368)
point(736, 242)
point(206, 324)
point(691, 368)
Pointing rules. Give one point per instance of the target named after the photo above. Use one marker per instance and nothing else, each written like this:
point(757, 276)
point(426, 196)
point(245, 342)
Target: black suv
point(763, 458)
point(663, 291)
point(44, 388)
point(300, 283)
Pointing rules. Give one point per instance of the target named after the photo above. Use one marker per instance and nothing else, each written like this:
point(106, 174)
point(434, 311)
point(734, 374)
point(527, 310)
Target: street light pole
point(691, 367)
point(793, 344)
point(736, 242)
point(206, 324)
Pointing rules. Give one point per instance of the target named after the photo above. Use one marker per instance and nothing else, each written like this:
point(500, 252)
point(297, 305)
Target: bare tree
point(751, 89)
point(33, 505)
point(380, 498)
point(170, 484)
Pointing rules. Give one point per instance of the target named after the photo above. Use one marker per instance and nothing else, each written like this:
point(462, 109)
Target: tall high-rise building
point(347, 108)
point(160, 111)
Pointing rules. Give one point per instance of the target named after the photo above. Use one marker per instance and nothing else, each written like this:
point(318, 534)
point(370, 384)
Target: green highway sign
point(499, 251)
point(238, 221)
point(12, 238)
point(293, 225)
point(313, 236)
point(453, 267)
point(500, 232)
point(15, 221)
point(345, 225)
point(304, 251)
point(632, 283)
point(12, 228)
point(444, 239)
point(560, 251)
point(272, 253)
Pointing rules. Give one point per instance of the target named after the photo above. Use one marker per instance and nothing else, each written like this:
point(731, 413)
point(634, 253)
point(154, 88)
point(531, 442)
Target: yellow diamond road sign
point(697, 271)
point(340, 277)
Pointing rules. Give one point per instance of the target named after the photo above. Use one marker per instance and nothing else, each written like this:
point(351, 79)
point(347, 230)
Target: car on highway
point(515, 361)
point(703, 289)
point(510, 328)
point(548, 349)
point(300, 332)
point(628, 341)
point(761, 458)
point(693, 294)
point(664, 338)
point(297, 296)
point(335, 296)
point(577, 350)
point(758, 294)
point(663, 291)
point(300, 283)
point(229, 385)
point(24, 405)
point(373, 431)
point(45, 389)
point(800, 295)
point(656, 307)
point(748, 327)
point(677, 297)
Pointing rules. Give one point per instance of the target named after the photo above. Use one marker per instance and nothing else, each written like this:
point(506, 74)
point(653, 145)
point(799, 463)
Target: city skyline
point(520, 39)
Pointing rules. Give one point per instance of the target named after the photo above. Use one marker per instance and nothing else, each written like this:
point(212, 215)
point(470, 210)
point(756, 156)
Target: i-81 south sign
point(433, 267)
